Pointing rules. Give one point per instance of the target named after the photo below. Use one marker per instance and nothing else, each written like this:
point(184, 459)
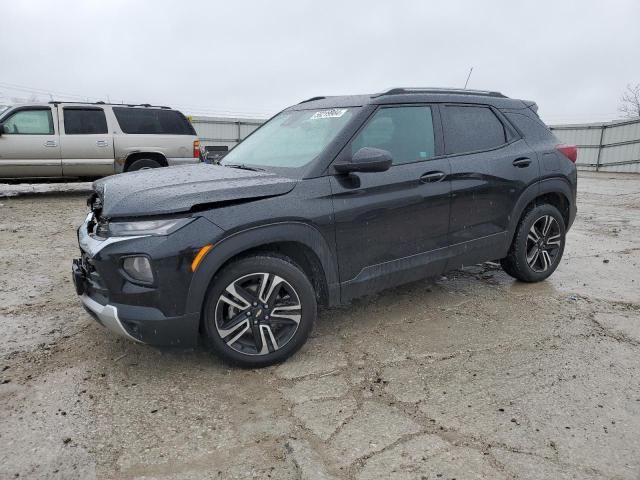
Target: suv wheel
point(537, 246)
point(143, 164)
point(259, 311)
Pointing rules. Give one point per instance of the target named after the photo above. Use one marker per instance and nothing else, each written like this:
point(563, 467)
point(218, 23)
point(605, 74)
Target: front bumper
point(107, 316)
point(141, 324)
point(151, 314)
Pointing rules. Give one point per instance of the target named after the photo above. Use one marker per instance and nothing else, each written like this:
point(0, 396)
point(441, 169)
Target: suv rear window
point(152, 121)
point(84, 121)
point(471, 129)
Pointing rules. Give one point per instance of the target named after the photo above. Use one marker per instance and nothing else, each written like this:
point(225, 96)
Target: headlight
point(146, 227)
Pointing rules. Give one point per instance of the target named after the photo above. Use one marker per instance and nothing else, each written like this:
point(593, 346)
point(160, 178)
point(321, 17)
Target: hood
point(169, 190)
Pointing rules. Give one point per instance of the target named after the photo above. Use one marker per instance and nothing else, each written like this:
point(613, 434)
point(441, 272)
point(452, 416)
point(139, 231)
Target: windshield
point(3, 108)
point(291, 139)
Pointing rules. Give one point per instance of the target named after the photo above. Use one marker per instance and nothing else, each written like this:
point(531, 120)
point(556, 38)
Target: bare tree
point(630, 101)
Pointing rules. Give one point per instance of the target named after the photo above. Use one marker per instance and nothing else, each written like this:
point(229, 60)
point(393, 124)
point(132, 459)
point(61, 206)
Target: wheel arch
point(132, 157)
point(301, 242)
point(555, 191)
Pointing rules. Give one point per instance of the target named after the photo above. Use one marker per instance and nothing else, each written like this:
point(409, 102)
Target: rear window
point(471, 129)
point(152, 121)
point(84, 121)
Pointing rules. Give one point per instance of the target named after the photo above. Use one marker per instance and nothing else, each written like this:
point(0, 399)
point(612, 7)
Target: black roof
point(412, 95)
point(442, 91)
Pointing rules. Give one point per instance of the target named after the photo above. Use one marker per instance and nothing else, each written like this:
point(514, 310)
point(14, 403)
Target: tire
point(240, 319)
point(534, 254)
point(143, 164)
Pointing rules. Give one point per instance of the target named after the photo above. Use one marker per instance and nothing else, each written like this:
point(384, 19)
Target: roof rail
point(147, 105)
point(312, 99)
point(455, 91)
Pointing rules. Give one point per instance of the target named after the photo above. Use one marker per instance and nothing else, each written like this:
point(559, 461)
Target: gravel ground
point(472, 375)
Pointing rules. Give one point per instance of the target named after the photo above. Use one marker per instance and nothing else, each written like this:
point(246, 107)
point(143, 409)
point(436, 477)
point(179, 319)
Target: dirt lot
point(471, 376)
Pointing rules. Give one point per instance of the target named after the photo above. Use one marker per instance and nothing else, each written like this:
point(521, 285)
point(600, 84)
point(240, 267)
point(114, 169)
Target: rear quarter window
point(152, 121)
point(532, 128)
point(472, 129)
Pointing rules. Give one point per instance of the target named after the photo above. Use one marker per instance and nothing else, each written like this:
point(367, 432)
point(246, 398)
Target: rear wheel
point(537, 246)
point(259, 311)
point(143, 164)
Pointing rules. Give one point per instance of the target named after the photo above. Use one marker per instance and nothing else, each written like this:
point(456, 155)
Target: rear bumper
point(182, 161)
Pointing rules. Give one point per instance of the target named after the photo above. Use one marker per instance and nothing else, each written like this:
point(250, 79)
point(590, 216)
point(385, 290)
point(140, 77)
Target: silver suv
point(62, 139)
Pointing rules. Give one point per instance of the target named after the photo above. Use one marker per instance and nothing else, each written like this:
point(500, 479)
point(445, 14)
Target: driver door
point(391, 227)
point(30, 146)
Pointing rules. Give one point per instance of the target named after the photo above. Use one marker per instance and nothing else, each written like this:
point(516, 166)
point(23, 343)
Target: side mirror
point(3, 130)
point(367, 159)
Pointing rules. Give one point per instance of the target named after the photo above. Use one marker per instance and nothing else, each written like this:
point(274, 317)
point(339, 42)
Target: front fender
point(244, 240)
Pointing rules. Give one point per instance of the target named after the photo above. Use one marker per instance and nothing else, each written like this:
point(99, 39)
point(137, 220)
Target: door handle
point(102, 143)
point(522, 162)
point(432, 177)
point(50, 143)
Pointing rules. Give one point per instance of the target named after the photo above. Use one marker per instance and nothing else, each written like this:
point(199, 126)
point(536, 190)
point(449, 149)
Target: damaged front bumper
point(151, 314)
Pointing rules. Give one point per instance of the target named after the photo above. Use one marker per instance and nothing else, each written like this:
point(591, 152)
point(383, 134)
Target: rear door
point(391, 225)
point(490, 168)
point(85, 141)
point(30, 146)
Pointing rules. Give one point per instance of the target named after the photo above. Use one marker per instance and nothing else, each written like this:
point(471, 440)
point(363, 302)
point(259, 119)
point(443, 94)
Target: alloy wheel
point(258, 313)
point(543, 243)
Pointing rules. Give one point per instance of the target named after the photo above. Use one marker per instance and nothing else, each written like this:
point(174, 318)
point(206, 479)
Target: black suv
point(331, 199)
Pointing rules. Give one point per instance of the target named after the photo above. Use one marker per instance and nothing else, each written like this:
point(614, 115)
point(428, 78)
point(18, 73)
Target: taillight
point(196, 149)
point(569, 151)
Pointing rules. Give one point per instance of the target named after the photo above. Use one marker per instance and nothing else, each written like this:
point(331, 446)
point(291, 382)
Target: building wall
point(604, 147)
point(224, 131)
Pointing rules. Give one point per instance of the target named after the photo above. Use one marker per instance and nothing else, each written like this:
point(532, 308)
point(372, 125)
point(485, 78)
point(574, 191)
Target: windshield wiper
point(242, 166)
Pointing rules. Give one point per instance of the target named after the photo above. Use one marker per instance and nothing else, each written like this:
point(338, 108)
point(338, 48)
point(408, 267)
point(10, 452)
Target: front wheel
point(259, 311)
point(537, 246)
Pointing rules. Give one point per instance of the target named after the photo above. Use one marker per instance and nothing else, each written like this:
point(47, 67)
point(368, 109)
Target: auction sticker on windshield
point(331, 113)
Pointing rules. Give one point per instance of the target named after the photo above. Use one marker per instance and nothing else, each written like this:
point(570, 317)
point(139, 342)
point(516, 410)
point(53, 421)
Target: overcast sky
point(573, 58)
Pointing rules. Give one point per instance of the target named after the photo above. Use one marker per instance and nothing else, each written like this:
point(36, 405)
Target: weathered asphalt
point(472, 375)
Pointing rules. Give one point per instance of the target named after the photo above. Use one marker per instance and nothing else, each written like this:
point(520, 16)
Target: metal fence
point(604, 147)
point(224, 131)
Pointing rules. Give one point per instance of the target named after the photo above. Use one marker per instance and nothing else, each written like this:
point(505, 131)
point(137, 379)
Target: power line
point(191, 109)
point(41, 91)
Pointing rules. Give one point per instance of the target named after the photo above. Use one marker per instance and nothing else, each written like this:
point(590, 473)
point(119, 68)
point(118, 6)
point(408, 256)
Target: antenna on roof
point(468, 77)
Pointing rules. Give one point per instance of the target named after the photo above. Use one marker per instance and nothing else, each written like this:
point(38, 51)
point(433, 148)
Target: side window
point(531, 127)
point(469, 129)
point(405, 132)
point(84, 121)
point(30, 122)
point(152, 121)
